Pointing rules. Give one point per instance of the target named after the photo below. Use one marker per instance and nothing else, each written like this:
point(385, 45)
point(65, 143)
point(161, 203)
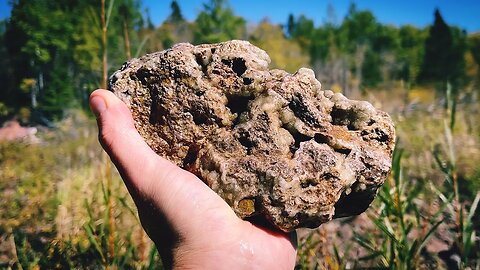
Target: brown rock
point(268, 142)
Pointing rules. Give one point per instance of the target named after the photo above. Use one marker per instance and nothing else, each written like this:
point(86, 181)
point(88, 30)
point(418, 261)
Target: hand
point(190, 224)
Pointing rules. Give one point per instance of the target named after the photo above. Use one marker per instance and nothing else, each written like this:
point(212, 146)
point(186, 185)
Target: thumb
point(148, 176)
point(117, 134)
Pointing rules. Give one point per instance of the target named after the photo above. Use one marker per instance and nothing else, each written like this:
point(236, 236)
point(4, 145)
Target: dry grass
point(55, 206)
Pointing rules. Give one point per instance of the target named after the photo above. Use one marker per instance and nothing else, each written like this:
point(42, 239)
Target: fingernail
point(98, 105)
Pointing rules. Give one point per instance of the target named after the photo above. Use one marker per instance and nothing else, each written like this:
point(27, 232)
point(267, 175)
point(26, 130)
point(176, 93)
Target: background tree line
point(51, 51)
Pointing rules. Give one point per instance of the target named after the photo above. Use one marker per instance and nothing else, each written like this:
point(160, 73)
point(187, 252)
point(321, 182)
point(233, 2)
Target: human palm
point(190, 224)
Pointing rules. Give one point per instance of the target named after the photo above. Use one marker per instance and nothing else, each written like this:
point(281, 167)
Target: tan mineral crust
point(268, 142)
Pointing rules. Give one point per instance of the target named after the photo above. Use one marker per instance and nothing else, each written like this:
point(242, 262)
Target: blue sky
point(463, 13)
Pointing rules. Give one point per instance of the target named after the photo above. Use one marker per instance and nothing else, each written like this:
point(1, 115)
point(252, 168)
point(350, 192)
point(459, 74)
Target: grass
point(426, 214)
point(59, 212)
point(398, 216)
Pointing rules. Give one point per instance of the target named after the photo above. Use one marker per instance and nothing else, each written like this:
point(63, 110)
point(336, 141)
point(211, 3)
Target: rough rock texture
point(268, 142)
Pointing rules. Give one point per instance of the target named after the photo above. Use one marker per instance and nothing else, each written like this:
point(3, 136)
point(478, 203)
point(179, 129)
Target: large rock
point(268, 142)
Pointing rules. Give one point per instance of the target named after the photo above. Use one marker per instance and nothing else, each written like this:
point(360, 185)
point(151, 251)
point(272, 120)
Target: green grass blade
point(92, 14)
point(453, 113)
point(363, 242)
point(151, 258)
point(140, 47)
point(425, 239)
point(109, 12)
point(436, 156)
point(89, 210)
point(385, 230)
point(337, 254)
point(93, 240)
point(123, 202)
point(412, 251)
point(473, 207)
point(371, 256)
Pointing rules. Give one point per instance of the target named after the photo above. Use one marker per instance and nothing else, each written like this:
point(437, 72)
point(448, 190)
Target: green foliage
point(58, 45)
point(472, 59)
point(301, 30)
point(397, 206)
point(369, 49)
point(368, 42)
point(55, 205)
point(444, 50)
point(377, 53)
point(474, 46)
point(284, 53)
point(410, 52)
point(217, 22)
point(358, 28)
point(58, 94)
point(465, 245)
point(9, 96)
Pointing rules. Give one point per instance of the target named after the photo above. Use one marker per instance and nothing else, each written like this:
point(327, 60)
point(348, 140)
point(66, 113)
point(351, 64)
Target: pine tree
point(290, 25)
point(176, 14)
point(444, 51)
point(438, 47)
point(173, 30)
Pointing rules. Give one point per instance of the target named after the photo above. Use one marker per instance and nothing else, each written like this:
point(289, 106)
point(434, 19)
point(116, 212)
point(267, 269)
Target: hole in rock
point(320, 138)
point(379, 135)
point(298, 138)
point(382, 137)
point(237, 64)
point(239, 104)
point(247, 81)
point(200, 61)
point(199, 118)
point(309, 183)
point(339, 117)
point(191, 156)
point(244, 139)
point(144, 76)
point(301, 110)
point(200, 114)
point(354, 203)
point(344, 151)
point(158, 113)
point(344, 118)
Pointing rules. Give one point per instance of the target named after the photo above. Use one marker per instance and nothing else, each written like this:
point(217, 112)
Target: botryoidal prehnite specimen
point(268, 142)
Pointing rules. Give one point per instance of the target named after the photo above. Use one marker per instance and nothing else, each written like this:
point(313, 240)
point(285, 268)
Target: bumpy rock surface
point(268, 142)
